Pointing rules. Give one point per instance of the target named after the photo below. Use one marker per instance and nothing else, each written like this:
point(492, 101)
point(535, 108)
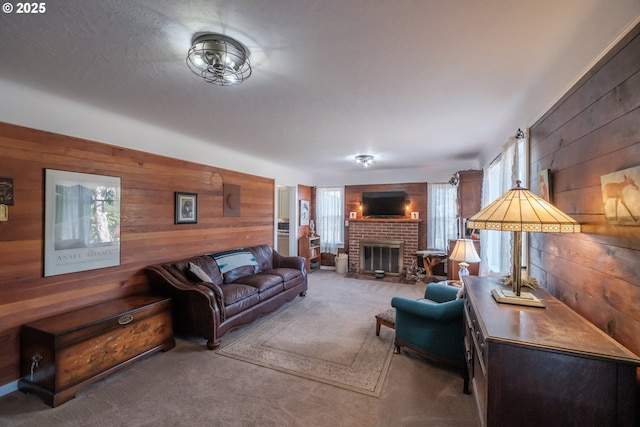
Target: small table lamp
point(464, 252)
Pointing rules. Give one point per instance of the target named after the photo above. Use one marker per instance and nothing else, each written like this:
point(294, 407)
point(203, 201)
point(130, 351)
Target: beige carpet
point(192, 386)
point(324, 339)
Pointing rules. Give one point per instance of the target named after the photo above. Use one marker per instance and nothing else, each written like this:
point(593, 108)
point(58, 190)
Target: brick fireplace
point(385, 231)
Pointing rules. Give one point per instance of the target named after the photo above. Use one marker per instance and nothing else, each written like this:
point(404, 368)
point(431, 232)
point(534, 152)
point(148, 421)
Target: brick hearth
point(383, 229)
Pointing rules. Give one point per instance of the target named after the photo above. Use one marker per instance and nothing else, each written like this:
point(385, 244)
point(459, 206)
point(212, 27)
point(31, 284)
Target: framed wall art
point(304, 212)
point(544, 181)
point(82, 222)
point(621, 196)
point(186, 208)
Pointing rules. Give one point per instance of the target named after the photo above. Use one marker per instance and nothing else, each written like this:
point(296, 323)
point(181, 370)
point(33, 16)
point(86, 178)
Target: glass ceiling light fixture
point(364, 160)
point(219, 59)
point(520, 210)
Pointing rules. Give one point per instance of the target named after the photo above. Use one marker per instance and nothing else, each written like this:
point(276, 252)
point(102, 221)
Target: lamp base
point(509, 297)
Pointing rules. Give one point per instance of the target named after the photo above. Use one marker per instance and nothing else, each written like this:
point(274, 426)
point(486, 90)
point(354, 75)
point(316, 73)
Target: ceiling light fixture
point(219, 59)
point(364, 160)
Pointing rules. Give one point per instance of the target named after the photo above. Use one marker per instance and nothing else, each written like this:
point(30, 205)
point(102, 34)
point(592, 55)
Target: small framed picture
point(415, 215)
point(353, 215)
point(544, 180)
point(304, 212)
point(186, 208)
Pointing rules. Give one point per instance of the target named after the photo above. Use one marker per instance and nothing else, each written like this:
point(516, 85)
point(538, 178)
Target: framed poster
point(304, 212)
point(186, 208)
point(82, 222)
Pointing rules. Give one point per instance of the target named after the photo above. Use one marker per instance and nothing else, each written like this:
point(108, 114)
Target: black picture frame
point(186, 207)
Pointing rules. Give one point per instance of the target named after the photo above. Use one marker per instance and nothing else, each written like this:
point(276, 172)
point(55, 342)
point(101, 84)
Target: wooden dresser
point(61, 354)
point(544, 366)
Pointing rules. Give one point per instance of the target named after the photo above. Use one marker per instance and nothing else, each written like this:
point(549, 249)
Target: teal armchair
point(433, 326)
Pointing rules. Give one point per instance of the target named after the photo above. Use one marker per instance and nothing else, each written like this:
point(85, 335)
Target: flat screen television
point(383, 204)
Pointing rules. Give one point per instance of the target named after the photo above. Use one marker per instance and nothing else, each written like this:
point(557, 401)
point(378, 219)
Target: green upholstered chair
point(433, 326)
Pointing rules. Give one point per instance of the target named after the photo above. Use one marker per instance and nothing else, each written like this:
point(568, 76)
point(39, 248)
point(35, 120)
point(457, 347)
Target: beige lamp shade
point(521, 210)
point(464, 251)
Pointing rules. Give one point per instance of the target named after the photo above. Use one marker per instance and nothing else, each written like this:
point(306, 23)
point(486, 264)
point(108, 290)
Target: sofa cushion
point(285, 273)
point(264, 257)
point(237, 273)
point(234, 292)
point(261, 281)
point(198, 273)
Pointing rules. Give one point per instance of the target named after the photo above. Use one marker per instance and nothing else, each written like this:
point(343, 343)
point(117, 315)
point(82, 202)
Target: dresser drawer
point(63, 353)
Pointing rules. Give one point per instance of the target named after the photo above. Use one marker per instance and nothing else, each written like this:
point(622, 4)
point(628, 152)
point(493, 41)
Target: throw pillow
point(198, 273)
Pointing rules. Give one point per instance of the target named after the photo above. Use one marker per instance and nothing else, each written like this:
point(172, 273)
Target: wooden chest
point(61, 354)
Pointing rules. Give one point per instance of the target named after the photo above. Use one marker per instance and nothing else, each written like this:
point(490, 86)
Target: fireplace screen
point(384, 255)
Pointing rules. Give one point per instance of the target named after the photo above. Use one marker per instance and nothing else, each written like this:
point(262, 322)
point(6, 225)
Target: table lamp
point(464, 252)
point(520, 210)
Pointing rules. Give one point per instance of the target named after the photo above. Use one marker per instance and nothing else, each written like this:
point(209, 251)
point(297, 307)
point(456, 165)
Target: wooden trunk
point(63, 353)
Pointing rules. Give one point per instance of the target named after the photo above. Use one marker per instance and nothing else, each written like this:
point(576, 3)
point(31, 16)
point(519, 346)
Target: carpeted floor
point(190, 385)
point(323, 338)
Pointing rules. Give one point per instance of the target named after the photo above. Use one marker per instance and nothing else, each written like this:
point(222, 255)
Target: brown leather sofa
point(236, 288)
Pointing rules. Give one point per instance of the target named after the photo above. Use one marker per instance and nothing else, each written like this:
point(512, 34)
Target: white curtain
point(330, 218)
point(442, 223)
point(499, 177)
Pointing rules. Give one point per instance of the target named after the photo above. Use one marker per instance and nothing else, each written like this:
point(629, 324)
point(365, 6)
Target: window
point(330, 218)
point(442, 223)
point(499, 177)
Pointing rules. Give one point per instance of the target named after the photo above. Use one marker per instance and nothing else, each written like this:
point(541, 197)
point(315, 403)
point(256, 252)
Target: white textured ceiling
point(417, 83)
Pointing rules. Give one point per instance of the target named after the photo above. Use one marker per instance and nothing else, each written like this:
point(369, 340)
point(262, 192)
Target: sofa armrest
point(198, 306)
point(296, 262)
point(446, 311)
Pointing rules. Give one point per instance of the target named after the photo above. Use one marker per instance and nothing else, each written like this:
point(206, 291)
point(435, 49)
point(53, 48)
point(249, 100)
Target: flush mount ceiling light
point(364, 160)
point(219, 59)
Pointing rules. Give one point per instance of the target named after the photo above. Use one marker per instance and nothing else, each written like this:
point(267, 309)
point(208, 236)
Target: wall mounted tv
point(383, 204)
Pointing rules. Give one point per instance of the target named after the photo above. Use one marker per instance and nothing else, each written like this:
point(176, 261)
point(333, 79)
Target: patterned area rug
point(328, 340)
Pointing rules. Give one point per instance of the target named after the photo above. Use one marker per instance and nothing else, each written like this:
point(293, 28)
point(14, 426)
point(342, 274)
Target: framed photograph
point(304, 212)
point(544, 181)
point(82, 222)
point(186, 208)
point(353, 215)
point(415, 215)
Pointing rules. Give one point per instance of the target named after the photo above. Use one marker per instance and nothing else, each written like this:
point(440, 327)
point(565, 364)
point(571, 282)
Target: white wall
point(39, 110)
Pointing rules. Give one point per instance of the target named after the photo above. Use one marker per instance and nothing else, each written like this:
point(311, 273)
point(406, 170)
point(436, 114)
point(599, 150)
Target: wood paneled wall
point(148, 232)
point(592, 131)
point(416, 193)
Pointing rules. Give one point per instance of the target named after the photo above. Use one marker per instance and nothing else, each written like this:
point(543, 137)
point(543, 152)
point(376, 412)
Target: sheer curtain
point(499, 177)
point(442, 223)
point(330, 218)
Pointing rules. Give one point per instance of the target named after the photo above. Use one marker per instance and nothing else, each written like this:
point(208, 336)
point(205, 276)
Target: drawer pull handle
point(126, 319)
